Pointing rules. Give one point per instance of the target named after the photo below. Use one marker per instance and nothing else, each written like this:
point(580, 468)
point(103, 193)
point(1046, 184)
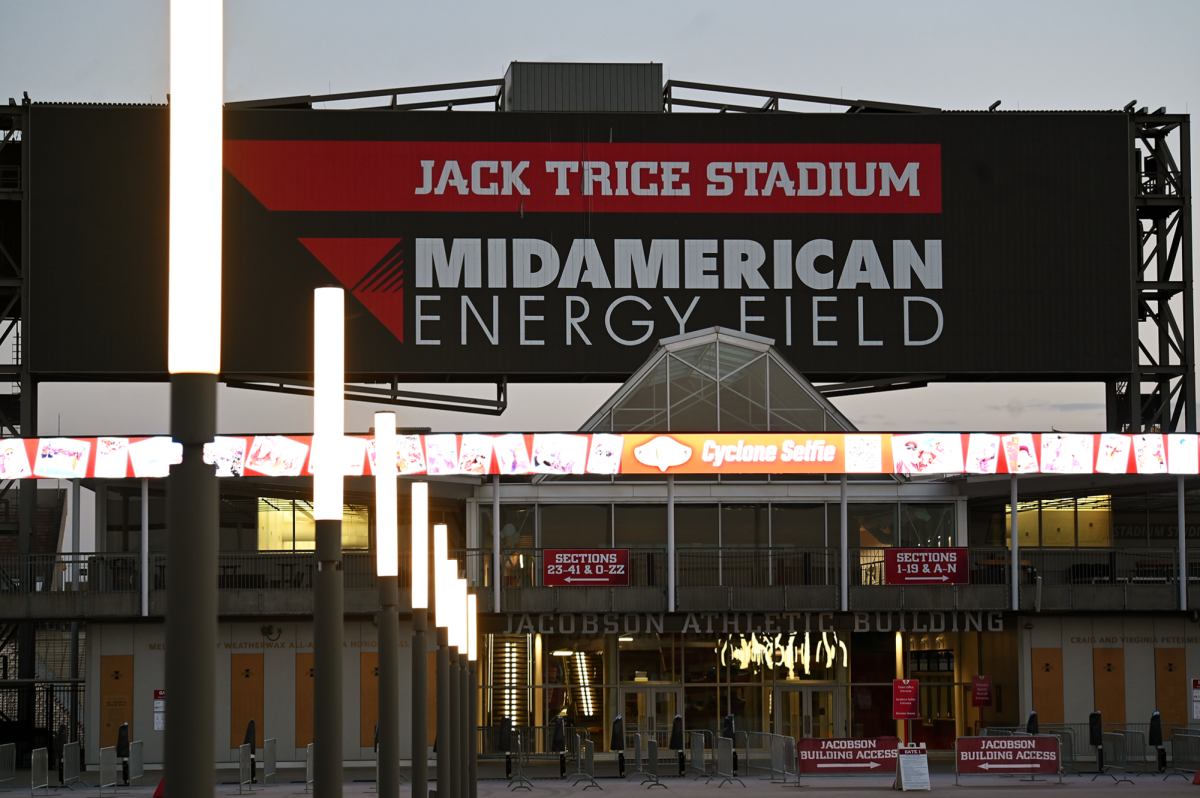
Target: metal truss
point(392, 395)
point(772, 101)
point(308, 101)
point(1160, 393)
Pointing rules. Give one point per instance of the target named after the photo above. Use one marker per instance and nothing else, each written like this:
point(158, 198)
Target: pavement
point(545, 783)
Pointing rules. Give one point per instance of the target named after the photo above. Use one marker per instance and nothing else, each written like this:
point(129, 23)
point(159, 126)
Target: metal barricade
point(579, 771)
point(589, 766)
point(519, 780)
point(652, 764)
point(308, 768)
point(1135, 752)
point(108, 769)
point(638, 769)
point(39, 773)
point(725, 762)
point(245, 769)
point(783, 753)
point(1185, 752)
point(269, 759)
point(1066, 751)
point(1114, 757)
point(8, 763)
point(698, 764)
point(137, 764)
point(71, 764)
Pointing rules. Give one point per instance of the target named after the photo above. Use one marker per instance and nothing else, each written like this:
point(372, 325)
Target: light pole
point(194, 361)
point(473, 703)
point(420, 619)
point(327, 456)
point(441, 619)
point(464, 692)
point(454, 635)
point(388, 568)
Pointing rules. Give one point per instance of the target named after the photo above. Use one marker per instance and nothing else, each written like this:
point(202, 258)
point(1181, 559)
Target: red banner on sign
point(981, 691)
point(905, 699)
point(925, 566)
point(979, 756)
point(844, 755)
point(585, 567)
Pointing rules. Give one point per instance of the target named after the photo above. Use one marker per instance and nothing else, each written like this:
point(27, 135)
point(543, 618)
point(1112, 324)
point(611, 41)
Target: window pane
point(870, 525)
point(516, 526)
point(642, 525)
point(575, 526)
point(696, 525)
point(693, 399)
point(646, 405)
point(1027, 524)
point(927, 524)
point(733, 358)
point(703, 357)
point(800, 525)
point(1058, 522)
point(744, 399)
point(792, 409)
point(744, 525)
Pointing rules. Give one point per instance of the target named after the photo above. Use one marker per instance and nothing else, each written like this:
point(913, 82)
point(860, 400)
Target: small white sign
point(160, 721)
point(160, 705)
point(912, 767)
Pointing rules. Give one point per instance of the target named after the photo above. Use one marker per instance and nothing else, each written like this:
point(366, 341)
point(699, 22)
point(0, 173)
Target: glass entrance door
point(806, 711)
point(650, 711)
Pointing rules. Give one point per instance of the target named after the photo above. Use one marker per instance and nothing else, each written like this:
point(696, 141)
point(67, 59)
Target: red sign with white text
point(545, 177)
point(926, 566)
point(906, 699)
point(847, 755)
point(981, 691)
point(979, 756)
point(585, 567)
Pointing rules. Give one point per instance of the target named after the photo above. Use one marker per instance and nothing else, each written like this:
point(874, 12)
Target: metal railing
point(283, 570)
point(523, 567)
point(715, 566)
point(35, 573)
point(1185, 751)
point(1086, 566)
point(530, 742)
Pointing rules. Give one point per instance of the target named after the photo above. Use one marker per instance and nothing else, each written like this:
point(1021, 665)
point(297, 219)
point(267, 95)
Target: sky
point(954, 55)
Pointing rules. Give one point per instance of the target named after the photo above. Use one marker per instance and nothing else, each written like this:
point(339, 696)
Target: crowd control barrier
point(638, 765)
point(1136, 759)
point(698, 766)
point(270, 760)
point(1010, 755)
point(137, 763)
point(72, 771)
point(579, 771)
point(8, 763)
point(588, 765)
point(1185, 753)
point(652, 765)
point(783, 757)
point(519, 780)
point(308, 768)
point(245, 768)
point(1114, 757)
point(108, 769)
point(725, 762)
point(39, 771)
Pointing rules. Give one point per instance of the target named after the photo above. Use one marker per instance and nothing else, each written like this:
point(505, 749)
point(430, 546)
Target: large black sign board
point(561, 246)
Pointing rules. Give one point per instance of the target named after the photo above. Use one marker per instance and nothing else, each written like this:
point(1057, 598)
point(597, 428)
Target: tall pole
point(1015, 538)
point(420, 646)
point(844, 514)
point(496, 542)
point(464, 725)
point(450, 737)
point(194, 361)
point(145, 547)
point(1183, 563)
point(443, 711)
point(388, 568)
point(670, 543)
point(472, 697)
point(328, 632)
point(76, 559)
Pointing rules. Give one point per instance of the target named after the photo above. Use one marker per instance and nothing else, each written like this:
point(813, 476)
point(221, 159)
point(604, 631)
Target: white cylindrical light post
point(420, 646)
point(328, 472)
point(441, 609)
point(194, 361)
point(473, 683)
point(464, 690)
point(454, 618)
point(387, 566)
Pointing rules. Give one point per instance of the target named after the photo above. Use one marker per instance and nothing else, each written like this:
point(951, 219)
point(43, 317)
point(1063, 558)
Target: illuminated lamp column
point(473, 702)
point(441, 618)
point(420, 647)
point(194, 361)
point(449, 740)
point(1015, 539)
point(464, 692)
point(327, 456)
point(388, 569)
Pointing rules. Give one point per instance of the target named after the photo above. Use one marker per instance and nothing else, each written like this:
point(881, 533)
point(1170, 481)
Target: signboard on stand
point(912, 767)
point(844, 755)
point(981, 691)
point(926, 566)
point(906, 699)
point(585, 568)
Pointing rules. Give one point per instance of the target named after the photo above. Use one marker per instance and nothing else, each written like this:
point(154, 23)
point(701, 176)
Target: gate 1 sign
point(870, 755)
point(585, 568)
point(926, 566)
point(905, 699)
point(981, 691)
point(1006, 755)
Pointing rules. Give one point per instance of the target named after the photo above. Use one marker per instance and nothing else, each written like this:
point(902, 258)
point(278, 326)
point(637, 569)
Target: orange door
point(1048, 684)
point(116, 697)
point(1170, 687)
point(245, 698)
point(304, 700)
point(1108, 682)
point(368, 691)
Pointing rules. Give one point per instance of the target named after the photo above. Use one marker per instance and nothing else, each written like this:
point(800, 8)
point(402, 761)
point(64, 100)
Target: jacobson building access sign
point(550, 246)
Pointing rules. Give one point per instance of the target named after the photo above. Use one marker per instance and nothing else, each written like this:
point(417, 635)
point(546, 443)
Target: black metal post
point(451, 735)
point(464, 726)
point(420, 706)
point(191, 622)
point(328, 634)
point(473, 739)
point(443, 712)
point(389, 688)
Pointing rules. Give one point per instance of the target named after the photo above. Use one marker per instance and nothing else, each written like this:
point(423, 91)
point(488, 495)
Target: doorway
point(650, 711)
point(807, 711)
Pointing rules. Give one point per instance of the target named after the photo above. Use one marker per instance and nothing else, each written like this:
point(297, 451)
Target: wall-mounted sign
point(607, 454)
point(981, 691)
point(160, 710)
point(847, 755)
point(932, 566)
point(977, 756)
point(585, 567)
point(906, 699)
